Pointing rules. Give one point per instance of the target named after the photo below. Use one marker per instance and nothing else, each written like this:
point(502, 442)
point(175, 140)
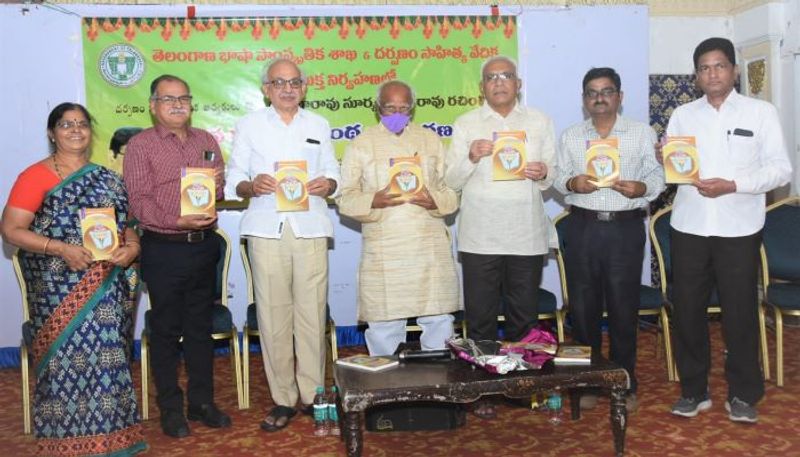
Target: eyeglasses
point(498, 77)
point(69, 125)
point(280, 83)
point(607, 92)
point(171, 100)
point(396, 109)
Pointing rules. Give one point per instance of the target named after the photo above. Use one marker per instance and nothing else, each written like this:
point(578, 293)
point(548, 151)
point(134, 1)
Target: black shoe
point(210, 415)
point(174, 424)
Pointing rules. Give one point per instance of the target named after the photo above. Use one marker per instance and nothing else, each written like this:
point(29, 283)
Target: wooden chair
point(651, 302)
point(250, 328)
point(24, 346)
point(222, 328)
point(780, 268)
point(660, 239)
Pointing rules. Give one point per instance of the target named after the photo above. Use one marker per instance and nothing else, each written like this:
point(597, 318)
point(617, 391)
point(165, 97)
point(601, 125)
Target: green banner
point(344, 59)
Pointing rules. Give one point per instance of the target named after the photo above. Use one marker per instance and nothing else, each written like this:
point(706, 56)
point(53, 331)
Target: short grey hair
point(500, 58)
point(394, 82)
point(268, 67)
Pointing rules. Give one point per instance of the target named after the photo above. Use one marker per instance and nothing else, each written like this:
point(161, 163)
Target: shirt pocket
point(311, 154)
point(743, 151)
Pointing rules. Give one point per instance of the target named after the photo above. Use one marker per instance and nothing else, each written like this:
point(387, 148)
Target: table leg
point(619, 418)
point(575, 403)
point(353, 434)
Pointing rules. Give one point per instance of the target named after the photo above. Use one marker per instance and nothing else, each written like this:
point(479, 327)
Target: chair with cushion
point(651, 301)
point(660, 239)
point(780, 266)
point(24, 346)
point(251, 324)
point(222, 327)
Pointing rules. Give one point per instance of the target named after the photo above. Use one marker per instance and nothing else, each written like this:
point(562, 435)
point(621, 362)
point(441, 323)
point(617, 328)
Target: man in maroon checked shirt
point(179, 254)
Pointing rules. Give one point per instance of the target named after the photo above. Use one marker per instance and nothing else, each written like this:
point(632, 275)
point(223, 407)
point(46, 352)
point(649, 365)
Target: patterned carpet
point(652, 431)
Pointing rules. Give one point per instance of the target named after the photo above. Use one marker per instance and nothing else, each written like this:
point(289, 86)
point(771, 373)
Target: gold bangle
point(46, 243)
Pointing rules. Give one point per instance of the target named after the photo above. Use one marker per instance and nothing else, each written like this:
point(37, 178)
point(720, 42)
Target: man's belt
point(608, 216)
point(187, 237)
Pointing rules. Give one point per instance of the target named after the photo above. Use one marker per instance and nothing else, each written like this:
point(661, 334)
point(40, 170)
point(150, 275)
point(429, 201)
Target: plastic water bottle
point(320, 413)
point(554, 406)
point(333, 413)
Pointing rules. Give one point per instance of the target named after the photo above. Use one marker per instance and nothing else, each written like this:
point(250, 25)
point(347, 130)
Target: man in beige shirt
point(503, 231)
point(407, 267)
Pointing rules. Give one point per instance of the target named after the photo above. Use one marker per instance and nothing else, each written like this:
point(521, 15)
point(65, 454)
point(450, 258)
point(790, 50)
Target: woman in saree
point(81, 309)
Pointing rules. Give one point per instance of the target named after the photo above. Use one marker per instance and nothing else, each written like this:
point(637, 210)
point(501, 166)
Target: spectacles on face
point(391, 109)
point(719, 66)
point(69, 125)
point(171, 100)
point(499, 77)
point(605, 93)
point(280, 83)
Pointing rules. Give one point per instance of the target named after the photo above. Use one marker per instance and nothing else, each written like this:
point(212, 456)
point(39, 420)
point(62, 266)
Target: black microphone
point(409, 355)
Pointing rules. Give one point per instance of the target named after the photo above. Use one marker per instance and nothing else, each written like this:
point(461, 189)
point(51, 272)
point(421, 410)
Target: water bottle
point(554, 406)
point(320, 413)
point(333, 412)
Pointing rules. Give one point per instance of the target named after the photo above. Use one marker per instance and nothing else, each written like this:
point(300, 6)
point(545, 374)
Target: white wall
point(673, 39)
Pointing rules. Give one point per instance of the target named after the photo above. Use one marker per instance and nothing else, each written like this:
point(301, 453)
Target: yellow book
point(198, 191)
point(99, 231)
point(405, 176)
point(292, 193)
point(508, 156)
point(681, 163)
point(602, 161)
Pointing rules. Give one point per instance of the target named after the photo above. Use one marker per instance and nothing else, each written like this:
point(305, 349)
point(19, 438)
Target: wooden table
point(455, 381)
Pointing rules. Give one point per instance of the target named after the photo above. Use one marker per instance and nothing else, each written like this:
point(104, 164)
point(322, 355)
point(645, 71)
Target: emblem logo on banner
point(121, 65)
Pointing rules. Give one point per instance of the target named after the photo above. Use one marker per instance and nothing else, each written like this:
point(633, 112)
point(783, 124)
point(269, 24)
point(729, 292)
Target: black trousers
point(699, 262)
point(603, 261)
point(181, 281)
point(493, 280)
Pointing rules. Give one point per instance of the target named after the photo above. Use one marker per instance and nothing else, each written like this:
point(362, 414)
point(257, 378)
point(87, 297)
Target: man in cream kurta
point(407, 267)
point(503, 231)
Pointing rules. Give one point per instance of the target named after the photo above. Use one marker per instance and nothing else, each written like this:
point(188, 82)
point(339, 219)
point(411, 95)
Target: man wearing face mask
point(503, 231)
point(407, 267)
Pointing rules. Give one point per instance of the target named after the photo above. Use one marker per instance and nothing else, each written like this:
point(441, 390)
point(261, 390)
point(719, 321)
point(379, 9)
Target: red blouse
point(31, 187)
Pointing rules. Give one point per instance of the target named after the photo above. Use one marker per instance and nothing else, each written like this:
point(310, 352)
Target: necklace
point(55, 165)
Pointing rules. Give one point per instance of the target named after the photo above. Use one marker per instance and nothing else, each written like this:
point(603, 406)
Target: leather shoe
point(174, 424)
point(209, 415)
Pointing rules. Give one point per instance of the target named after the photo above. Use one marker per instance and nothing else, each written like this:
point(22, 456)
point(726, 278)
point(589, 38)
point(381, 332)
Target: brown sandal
point(281, 415)
point(484, 409)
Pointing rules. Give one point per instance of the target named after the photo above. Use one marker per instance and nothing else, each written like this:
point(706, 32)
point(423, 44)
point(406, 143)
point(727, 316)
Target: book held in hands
point(198, 191)
point(99, 231)
point(681, 164)
point(292, 193)
point(368, 363)
point(508, 156)
point(405, 176)
point(573, 355)
point(602, 161)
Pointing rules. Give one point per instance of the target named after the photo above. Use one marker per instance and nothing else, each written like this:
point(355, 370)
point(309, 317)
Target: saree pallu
point(84, 401)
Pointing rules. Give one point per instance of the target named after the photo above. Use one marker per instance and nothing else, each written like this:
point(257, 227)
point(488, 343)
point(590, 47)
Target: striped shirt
point(152, 173)
point(637, 163)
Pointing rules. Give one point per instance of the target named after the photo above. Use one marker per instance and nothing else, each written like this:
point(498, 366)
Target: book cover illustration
point(681, 164)
point(573, 355)
point(292, 193)
point(405, 176)
point(198, 191)
point(602, 161)
point(368, 363)
point(508, 156)
point(99, 231)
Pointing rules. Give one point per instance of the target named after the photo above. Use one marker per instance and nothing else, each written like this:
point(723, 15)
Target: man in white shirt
point(605, 236)
point(503, 231)
point(716, 230)
point(288, 250)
